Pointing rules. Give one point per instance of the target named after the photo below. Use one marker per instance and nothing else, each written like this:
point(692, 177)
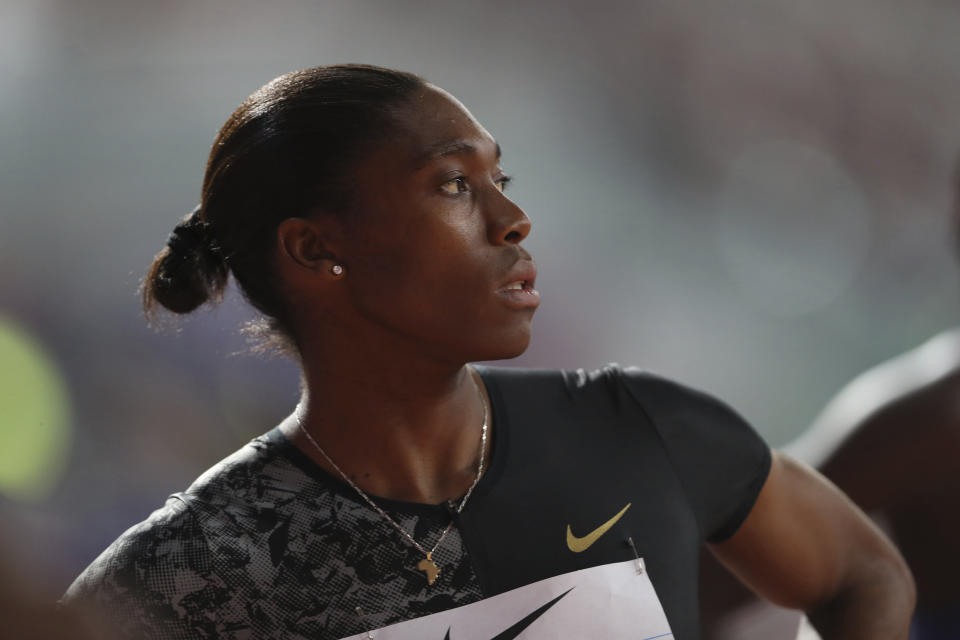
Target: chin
point(507, 347)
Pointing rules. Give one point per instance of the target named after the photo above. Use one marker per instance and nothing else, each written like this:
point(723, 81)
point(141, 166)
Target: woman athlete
point(362, 211)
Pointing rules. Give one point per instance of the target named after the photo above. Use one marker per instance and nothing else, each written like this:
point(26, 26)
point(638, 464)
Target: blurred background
point(750, 197)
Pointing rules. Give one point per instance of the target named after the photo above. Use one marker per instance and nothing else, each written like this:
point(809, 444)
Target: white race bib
point(611, 601)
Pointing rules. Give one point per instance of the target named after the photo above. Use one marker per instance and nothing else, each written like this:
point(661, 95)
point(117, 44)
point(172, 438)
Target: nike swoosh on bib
point(577, 545)
point(518, 628)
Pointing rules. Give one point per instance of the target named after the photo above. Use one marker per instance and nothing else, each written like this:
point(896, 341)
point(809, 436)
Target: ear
point(306, 244)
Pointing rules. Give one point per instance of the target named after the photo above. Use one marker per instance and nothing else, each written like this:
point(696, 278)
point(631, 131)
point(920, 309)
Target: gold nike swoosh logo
point(577, 545)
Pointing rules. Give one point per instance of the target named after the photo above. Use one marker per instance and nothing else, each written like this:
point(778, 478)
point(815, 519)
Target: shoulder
point(141, 545)
point(145, 571)
point(719, 459)
point(892, 428)
point(182, 570)
point(922, 381)
point(900, 399)
point(609, 379)
point(659, 399)
point(239, 471)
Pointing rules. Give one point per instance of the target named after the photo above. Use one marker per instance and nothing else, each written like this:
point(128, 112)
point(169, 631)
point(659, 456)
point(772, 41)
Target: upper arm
point(804, 542)
point(149, 581)
point(718, 457)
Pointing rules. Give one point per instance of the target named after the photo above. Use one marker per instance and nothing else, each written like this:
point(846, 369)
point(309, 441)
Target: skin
point(806, 546)
point(889, 440)
point(387, 391)
point(430, 242)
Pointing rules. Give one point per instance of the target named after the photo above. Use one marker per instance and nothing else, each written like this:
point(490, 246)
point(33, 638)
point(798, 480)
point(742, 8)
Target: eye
point(455, 186)
point(503, 181)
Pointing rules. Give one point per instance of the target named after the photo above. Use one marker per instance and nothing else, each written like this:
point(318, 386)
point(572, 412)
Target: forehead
point(433, 120)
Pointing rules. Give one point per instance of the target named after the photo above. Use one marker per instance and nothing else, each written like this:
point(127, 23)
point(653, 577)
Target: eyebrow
point(449, 148)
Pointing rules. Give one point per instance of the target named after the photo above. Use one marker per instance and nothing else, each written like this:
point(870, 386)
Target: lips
point(518, 286)
point(522, 275)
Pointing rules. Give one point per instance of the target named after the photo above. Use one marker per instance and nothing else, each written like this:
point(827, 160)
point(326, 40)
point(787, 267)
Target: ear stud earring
point(336, 269)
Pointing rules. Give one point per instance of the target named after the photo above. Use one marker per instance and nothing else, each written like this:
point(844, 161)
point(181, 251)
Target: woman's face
point(432, 252)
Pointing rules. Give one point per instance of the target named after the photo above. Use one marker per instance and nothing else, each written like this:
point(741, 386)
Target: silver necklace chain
point(376, 507)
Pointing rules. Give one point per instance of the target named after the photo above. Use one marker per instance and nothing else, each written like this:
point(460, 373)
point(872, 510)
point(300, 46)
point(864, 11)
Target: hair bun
point(191, 235)
point(189, 271)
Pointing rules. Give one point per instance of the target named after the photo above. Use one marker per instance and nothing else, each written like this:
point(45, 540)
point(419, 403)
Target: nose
point(508, 222)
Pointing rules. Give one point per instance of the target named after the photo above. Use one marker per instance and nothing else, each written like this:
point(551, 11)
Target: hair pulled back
point(285, 152)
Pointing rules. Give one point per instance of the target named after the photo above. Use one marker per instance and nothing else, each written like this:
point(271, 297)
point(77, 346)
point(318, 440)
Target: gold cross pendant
point(429, 567)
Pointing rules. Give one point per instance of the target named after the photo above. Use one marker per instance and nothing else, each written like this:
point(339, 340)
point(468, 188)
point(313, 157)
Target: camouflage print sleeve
point(156, 581)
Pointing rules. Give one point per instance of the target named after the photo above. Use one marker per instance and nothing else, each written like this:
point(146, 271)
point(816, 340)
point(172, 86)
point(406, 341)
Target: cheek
point(440, 292)
point(421, 272)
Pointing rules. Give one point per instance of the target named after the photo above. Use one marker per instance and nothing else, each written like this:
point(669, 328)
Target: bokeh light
point(812, 237)
point(34, 416)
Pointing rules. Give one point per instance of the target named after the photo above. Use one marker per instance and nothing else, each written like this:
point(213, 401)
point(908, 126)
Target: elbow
point(890, 576)
point(876, 601)
point(909, 585)
point(902, 585)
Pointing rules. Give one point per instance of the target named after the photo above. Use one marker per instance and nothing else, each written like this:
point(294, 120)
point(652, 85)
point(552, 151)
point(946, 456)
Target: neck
point(405, 430)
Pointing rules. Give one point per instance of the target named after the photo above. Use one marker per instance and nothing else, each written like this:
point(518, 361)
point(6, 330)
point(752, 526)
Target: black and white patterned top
point(266, 544)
